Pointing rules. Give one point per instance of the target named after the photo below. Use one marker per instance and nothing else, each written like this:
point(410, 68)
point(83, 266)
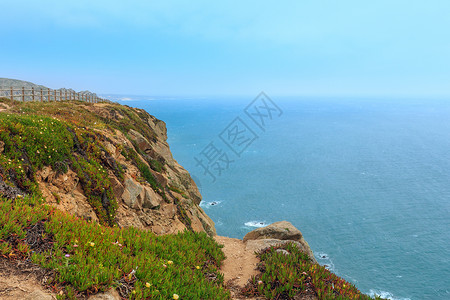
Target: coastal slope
point(147, 187)
point(94, 206)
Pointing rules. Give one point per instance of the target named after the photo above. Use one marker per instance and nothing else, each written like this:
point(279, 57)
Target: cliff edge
point(143, 187)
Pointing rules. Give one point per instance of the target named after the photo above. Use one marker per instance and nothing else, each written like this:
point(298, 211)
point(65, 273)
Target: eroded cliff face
point(152, 190)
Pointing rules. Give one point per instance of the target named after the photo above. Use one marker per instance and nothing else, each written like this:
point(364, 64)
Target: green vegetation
point(62, 135)
point(89, 257)
point(294, 275)
point(33, 142)
point(131, 155)
point(174, 189)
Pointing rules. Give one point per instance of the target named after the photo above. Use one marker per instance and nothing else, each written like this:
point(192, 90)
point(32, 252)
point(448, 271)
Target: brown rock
point(151, 198)
point(279, 230)
point(117, 186)
point(65, 182)
point(46, 172)
point(111, 149)
point(275, 234)
point(38, 295)
point(160, 178)
point(110, 294)
point(140, 140)
point(169, 210)
point(132, 193)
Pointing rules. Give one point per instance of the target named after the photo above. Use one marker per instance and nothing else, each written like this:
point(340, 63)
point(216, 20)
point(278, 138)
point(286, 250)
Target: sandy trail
point(239, 266)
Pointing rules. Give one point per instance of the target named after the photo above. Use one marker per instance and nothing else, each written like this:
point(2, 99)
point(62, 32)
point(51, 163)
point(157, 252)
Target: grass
point(89, 257)
point(61, 135)
point(33, 142)
point(176, 190)
point(295, 275)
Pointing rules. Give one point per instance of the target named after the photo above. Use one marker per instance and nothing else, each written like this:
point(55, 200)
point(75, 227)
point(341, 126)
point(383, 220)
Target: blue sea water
point(367, 181)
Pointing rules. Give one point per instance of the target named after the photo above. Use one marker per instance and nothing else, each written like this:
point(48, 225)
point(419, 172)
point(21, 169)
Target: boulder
point(151, 198)
point(160, 178)
point(275, 234)
point(140, 140)
point(111, 149)
point(279, 230)
point(132, 193)
point(117, 186)
point(110, 294)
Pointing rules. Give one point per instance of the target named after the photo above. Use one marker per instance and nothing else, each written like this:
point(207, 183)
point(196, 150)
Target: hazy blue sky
point(383, 47)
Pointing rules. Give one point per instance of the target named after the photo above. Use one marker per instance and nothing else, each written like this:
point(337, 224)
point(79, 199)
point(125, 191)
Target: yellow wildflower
point(176, 297)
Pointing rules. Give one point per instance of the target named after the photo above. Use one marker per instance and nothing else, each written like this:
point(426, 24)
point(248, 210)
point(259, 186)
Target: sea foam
point(204, 204)
point(385, 295)
point(255, 224)
point(325, 260)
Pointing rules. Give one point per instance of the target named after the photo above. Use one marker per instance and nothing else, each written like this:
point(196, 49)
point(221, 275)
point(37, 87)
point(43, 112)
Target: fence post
point(32, 93)
point(12, 94)
point(42, 95)
point(23, 94)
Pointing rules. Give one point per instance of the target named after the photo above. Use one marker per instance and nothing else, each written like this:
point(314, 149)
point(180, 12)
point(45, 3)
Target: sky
point(230, 48)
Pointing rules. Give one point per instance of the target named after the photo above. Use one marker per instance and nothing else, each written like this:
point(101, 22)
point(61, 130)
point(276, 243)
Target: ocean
point(367, 181)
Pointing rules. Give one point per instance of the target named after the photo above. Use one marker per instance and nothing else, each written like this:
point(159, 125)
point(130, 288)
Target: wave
point(385, 295)
point(325, 260)
point(204, 204)
point(255, 224)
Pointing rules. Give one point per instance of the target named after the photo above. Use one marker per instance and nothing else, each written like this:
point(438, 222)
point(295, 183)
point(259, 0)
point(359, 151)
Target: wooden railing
point(44, 94)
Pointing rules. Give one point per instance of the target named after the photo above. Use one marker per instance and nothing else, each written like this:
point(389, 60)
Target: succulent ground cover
point(288, 273)
point(88, 257)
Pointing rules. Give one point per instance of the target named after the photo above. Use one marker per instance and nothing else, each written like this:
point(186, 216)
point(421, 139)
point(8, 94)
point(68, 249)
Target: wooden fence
point(37, 94)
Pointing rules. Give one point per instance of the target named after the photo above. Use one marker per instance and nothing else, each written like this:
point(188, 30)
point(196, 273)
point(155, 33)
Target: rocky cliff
point(144, 185)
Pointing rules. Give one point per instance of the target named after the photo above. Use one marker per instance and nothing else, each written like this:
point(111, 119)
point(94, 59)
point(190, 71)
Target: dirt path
point(240, 264)
point(18, 281)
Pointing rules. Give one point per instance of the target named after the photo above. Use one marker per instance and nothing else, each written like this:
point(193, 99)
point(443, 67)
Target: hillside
point(16, 83)
point(92, 204)
point(7, 83)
